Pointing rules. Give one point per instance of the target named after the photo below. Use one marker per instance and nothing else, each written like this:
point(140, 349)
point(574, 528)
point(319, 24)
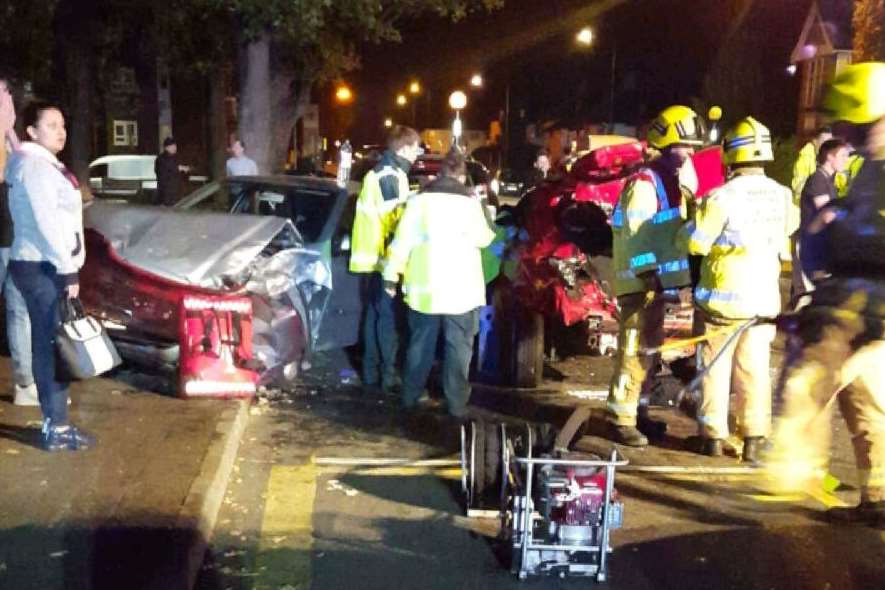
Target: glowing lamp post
point(343, 94)
point(457, 100)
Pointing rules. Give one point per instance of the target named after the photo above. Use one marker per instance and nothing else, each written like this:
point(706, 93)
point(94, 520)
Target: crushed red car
point(562, 272)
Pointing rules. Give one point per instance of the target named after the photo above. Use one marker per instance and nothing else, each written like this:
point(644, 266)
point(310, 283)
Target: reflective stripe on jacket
point(741, 231)
point(644, 227)
point(378, 209)
point(437, 250)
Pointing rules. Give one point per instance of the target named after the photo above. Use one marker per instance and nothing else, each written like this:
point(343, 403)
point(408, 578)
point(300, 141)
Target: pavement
point(136, 511)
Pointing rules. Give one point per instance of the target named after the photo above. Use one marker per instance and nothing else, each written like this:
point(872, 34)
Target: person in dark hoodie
point(436, 249)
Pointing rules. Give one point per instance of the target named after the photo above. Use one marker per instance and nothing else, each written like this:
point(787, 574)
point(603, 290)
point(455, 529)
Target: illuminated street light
point(791, 70)
point(457, 100)
point(585, 36)
point(343, 94)
point(415, 87)
point(476, 80)
point(388, 122)
point(401, 100)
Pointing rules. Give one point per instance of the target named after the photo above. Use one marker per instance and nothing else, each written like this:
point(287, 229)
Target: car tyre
point(528, 349)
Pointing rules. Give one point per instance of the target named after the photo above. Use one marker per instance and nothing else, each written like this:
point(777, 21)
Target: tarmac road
point(290, 522)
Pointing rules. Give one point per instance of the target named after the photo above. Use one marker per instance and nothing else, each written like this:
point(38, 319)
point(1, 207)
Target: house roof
point(827, 29)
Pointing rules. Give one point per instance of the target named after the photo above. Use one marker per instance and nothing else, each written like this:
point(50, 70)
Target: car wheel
point(528, 349)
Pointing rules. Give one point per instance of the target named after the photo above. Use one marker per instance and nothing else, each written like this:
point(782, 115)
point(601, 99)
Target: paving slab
point(134, 512)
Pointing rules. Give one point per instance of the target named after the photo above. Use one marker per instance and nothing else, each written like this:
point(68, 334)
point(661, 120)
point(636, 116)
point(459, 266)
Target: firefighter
point(741, 230)
point(650, 210)
point(840, 337)
point(378, 210)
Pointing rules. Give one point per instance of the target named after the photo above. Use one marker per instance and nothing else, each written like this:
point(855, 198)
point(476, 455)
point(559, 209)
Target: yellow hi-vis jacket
point(378, 210)
point(437, 250)
point(741, 231)
point(644, 227)
point(843, 179)
point(804, 166)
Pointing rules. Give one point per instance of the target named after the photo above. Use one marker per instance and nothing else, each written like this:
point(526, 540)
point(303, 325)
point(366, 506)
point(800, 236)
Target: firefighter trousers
point(743, 369)
point(641, 325)
point(837, 355)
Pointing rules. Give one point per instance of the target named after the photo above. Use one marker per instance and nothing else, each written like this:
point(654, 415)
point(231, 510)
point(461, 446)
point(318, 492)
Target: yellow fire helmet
point(747, 142)
point(676, 125)
point(857, 94)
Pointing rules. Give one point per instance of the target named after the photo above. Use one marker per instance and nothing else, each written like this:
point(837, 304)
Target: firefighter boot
point(867, 512)
point(654, 429)
point(702, 445)
point(752, 447)
point(627, 435)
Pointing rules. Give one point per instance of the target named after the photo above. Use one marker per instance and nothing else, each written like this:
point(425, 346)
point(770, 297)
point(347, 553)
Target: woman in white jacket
point(46, 256)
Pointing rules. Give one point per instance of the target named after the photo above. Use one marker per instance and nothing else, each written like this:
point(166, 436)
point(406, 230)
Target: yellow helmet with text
point(748, 142)
point(676, 125)
point(857, 94)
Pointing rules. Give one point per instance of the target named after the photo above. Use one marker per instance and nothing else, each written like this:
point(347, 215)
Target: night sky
point(666, 49)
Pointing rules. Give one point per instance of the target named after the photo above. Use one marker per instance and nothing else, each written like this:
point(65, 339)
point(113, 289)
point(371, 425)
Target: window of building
point(125, 133)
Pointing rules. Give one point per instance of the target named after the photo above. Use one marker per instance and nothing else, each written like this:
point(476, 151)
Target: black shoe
point(627, 435)
point(651, 428)
point(869, 513)
point(702, 445)
point(752, 447)
point(66, 438)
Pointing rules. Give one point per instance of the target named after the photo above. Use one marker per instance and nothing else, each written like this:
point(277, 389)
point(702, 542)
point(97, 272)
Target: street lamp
point(343, 94)
point(457, 100)
point(414, 90)
point(388, 123)
point(585, 37)
point(401, 100)
point(476, 80)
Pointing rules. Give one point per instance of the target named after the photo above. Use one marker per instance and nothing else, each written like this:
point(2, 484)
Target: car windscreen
point(308, 208)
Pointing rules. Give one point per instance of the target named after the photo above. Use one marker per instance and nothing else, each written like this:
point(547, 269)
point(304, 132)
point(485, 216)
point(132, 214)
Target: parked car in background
point(123, 176)
point(129, 177)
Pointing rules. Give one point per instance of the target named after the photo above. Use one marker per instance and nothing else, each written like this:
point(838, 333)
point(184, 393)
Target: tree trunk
point(217, 123)
point(149, 113)
point(79, 68)
point(255, 101)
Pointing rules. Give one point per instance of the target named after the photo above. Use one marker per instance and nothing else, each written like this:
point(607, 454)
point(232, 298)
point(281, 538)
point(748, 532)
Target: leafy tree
point(286, 46)
point(869, 30)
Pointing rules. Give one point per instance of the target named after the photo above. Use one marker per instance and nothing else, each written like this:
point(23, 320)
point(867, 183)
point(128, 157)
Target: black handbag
point(83, 347)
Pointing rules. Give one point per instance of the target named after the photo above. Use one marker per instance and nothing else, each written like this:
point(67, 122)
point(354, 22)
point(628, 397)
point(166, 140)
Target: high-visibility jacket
point(843, 179)
point(740, 229)
point(803, 167)
point(644, 226)
point(378, 210)
point(437, 250)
